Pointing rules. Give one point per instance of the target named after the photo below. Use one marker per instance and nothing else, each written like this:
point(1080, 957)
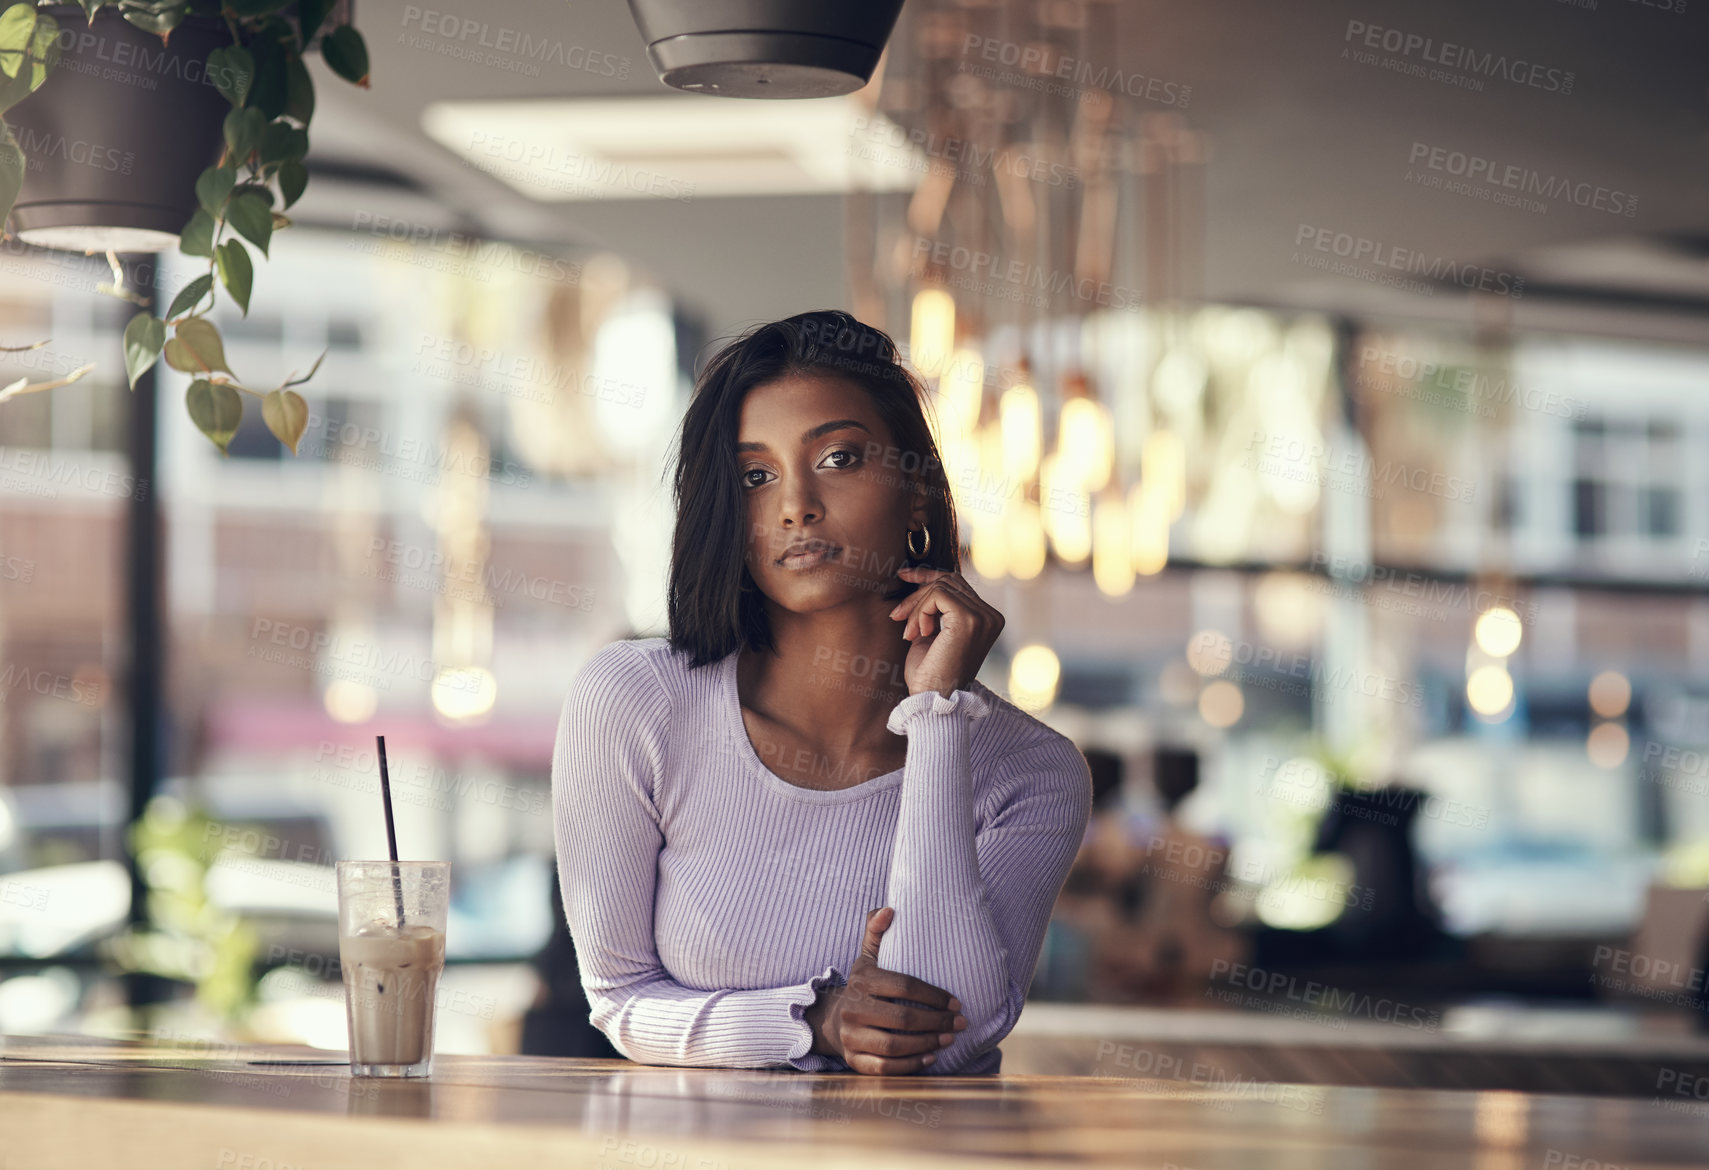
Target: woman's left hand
point(951, 627)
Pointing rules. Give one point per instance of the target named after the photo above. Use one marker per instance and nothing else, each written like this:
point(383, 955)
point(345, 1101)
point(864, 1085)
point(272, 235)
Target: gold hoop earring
point(920, 555)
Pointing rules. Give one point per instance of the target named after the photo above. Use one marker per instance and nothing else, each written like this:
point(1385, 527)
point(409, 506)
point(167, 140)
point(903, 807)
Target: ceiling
point(1307, 143)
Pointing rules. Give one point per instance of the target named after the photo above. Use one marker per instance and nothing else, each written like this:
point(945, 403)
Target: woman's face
point(829, 503)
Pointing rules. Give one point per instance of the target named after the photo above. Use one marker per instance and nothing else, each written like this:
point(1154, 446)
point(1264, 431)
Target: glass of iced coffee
point(391, 949)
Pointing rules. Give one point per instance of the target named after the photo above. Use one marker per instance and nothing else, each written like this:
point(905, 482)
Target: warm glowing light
point(988, 545)
point(350, 702)
point(1112, 551)
point(1033, 677)
point(1066, 511)
point(1289, 608)
point(1086, 442)
point(1209, 652)
point(1024, 538)
point(1489, 691)
point(1163, 467)
point(1221, 704)
point(931, 336)
point(1498, 632)
point(1607, 745)
point(464, 692)
point(1149, 517)
point(1018, 415)
point(1610, 694)
point(960, 388)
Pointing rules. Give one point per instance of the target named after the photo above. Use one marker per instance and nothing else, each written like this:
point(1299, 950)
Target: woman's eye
point(754, 477)
point(843, 453)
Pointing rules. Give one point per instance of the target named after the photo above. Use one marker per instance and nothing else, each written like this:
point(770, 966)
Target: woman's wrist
point(818, 1017)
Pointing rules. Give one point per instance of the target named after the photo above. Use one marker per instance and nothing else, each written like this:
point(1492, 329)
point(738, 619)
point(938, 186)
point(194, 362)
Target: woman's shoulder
point(638, 672)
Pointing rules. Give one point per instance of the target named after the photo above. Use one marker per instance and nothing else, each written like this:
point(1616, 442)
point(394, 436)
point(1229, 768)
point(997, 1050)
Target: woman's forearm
point(944, 932)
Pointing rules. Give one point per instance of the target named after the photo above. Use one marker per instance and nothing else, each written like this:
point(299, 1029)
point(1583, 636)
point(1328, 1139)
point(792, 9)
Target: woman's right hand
point(858, 1022)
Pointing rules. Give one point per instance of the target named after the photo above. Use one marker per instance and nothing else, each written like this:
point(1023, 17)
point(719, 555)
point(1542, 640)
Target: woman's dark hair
point(714, 606)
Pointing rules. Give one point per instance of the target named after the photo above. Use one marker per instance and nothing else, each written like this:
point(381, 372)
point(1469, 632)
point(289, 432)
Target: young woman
point(809, 743)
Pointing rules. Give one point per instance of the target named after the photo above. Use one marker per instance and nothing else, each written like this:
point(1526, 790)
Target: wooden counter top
point(84, 1104)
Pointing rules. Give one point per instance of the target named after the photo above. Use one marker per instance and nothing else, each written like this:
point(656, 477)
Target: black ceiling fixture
point(765, 48)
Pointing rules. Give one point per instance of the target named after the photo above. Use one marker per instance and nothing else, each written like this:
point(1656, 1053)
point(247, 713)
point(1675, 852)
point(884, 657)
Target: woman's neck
point(834, 675)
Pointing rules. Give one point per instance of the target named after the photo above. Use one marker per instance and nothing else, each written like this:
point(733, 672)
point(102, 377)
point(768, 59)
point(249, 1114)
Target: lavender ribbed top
point(710, 899)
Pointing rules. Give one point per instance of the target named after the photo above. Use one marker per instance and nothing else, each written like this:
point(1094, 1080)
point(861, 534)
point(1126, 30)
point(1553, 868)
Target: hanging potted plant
point(169, 121)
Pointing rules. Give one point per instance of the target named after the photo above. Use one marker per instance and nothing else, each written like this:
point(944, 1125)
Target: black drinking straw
point(391, 831)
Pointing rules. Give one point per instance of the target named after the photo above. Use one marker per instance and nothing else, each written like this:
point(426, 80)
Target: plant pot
point(117, 135)
point(765, 48)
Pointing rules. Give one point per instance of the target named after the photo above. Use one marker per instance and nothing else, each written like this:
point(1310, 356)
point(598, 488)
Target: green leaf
point(29, 49)
point(159, 23)
point(144, 335)
point(293, 181)
point(202, 345)
point(12, 164)
point(236, 271)
point(243, 132)
point(299, 91)
point(17, 30)
point(281, 141)
point(252, 217)
point(190, 295)
point(347, 54)
point(286, 415)
point(270, 74)
point(232, 70)
point(310, 15)
point(197, 238)
point(260, 190)
point(213, 186)
point(216, 410)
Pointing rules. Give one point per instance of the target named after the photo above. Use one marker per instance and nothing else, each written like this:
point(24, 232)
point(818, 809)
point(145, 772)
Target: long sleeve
point(609, 754)
point(971, 907)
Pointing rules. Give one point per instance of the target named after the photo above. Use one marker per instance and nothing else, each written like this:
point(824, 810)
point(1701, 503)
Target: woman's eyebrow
point(824, 428)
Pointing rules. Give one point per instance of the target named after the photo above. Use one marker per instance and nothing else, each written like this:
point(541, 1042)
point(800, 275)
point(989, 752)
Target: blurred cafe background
point(1320, 410)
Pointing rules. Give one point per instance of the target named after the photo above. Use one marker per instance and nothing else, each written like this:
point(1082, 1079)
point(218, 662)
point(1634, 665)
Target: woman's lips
point(807, 558)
